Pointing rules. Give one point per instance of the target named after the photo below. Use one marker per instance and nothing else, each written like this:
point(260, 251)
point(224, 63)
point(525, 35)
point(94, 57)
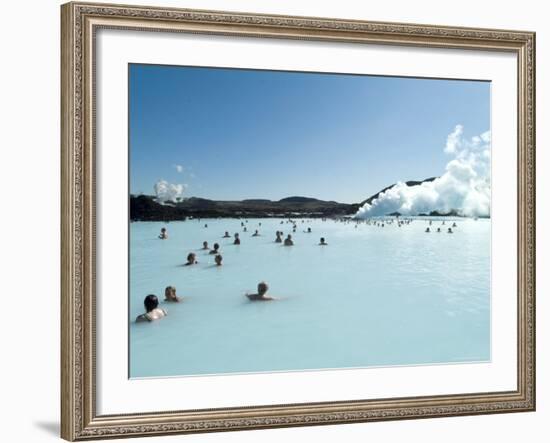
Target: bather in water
point(261, 295)
point(216, 249)
point(163, 234)
point(256, 233)
point(278, 238)
point(226, 235)
point(322, 242)
point(205, 245)
point(170, 294)
point(153, 312)
point(237, 240)
point(191, 259)
point(218, 259)
point(288, 241)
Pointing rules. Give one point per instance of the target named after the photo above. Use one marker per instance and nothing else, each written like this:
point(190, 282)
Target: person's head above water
point(151, 302)
point(322, 241)
point(191, 258)
point(216, 246)
point(204, 245)
point(218, 259)
point(236, 234)
point(170, 293)
point(262, 288)
point(162, 229)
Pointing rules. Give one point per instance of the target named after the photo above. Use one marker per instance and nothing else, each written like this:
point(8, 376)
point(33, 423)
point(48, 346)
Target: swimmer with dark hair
point(449, 231)
point(261, 295)
point(216, 249)
point(205, 245)
point(427, 230)
point(322, 242)
point(237, 240)
point(218, 259)
point(278, 238)
point(309, 231)
point(454, 225)
point(256, 233)
point(170, 294)
point(438, 229)
point(191, 259)
point(163, 234)
point(205, 225)
point(288, 241)
point(153, 312)
point(226, 235)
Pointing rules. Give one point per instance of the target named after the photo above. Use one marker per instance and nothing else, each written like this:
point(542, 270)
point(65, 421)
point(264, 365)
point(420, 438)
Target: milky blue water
point(373, 297)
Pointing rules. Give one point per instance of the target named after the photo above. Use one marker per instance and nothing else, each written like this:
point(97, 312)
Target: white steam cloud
point(465, 186)
point(179, 168)
point(165, 191)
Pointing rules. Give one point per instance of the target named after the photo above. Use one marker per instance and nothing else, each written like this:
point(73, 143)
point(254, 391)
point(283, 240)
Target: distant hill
point(298, 200)
point(146, 208)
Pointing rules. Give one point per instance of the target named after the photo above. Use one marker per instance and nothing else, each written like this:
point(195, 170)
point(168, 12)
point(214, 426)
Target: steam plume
point(465, 186)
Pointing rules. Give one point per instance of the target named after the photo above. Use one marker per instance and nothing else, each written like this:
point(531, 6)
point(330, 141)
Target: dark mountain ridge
point(146, 208)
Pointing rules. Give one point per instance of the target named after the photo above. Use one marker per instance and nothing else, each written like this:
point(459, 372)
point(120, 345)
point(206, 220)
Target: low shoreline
point(145, 208)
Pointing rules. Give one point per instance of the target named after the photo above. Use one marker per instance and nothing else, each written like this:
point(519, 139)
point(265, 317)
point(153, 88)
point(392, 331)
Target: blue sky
point(230, 134)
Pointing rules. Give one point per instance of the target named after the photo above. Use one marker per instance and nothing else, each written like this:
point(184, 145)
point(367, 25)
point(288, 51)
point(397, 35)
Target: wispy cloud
point(179, 168)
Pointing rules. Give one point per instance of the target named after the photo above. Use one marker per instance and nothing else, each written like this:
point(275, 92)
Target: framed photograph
point(277, 221)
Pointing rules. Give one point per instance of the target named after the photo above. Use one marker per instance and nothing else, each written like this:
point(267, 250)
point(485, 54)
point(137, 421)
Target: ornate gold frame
point(79, 420)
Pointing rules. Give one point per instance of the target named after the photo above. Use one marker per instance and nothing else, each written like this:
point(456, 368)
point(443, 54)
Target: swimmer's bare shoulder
point(142, 318)
point(156, 314)
point(258, 297)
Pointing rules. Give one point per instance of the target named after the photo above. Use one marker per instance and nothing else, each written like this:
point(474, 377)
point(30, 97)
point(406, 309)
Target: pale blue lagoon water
point(373, 297)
